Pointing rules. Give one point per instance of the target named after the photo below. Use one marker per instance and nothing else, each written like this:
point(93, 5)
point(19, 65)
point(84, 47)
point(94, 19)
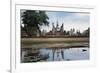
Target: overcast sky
point(79, 21)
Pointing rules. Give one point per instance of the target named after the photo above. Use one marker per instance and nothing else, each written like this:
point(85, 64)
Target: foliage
point(33, 20)
point(86, 32)
point(78, 33)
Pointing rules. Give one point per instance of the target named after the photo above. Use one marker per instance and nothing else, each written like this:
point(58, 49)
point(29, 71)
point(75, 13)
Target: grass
point(35, 41)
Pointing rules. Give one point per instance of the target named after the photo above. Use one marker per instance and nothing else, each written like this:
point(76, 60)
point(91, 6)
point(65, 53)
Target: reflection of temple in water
point(53, 54)
point(58, 54)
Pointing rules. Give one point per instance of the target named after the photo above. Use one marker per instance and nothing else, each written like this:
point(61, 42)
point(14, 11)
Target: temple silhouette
point(57, 30)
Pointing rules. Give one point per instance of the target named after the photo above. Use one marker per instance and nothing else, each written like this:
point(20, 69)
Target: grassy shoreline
point(50, 42)
point(54, 42)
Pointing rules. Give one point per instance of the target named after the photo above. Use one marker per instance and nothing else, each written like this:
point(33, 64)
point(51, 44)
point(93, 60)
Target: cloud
point(79, 21)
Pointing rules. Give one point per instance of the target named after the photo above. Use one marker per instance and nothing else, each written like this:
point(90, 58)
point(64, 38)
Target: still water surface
point(52, 54)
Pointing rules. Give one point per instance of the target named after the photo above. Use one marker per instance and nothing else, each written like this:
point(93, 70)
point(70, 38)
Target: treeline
point(73, 32)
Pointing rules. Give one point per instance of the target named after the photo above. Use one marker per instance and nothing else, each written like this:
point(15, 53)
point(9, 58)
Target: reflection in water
point(58, 53)
point(32, 55)
point(54, 54)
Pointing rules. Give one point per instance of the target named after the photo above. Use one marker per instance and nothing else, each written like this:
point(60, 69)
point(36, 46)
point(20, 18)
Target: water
point(61, 54)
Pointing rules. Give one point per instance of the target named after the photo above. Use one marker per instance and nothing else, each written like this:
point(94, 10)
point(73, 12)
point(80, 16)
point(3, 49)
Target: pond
point(54, 54)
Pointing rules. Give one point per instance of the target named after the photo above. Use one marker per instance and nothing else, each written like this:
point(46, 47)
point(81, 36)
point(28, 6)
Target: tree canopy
point(33, 20)
point(86, 32)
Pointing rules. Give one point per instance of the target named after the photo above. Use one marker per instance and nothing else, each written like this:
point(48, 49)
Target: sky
point(79, 21)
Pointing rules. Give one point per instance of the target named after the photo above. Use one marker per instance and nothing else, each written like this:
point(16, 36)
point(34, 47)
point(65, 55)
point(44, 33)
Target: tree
point(33, 20)
point(64, 32)
point(68, 33)
point(78, 33)
point(86, 32)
